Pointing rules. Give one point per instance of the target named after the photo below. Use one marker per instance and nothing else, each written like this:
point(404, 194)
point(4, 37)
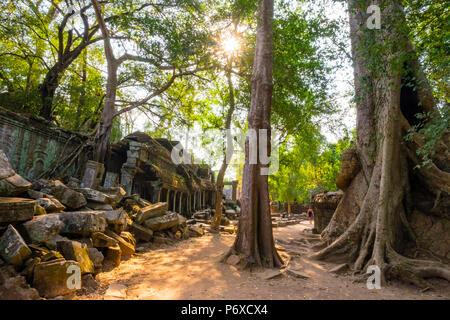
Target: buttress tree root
point(386, 183)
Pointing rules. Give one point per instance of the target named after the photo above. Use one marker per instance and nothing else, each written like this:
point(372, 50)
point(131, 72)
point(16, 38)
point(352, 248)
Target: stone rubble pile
point(54, 238)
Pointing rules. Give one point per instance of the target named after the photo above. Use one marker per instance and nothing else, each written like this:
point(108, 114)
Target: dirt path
point(190, 270)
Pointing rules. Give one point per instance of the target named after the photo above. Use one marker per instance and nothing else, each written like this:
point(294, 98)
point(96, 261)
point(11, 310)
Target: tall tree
point(223, 168)
point(254, 240)
point(384, 187)
point(147, 54)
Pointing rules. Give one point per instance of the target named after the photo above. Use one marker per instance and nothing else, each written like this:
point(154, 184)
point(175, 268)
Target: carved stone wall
point(33, 146)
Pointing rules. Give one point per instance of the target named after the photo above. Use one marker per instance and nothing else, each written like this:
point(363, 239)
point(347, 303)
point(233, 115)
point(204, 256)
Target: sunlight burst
point(230, 45)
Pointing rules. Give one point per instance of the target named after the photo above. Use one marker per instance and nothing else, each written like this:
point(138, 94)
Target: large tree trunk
point(48, 89)
point(254, 241)
point(215, 224)
point(109, 109)
point(370, 225)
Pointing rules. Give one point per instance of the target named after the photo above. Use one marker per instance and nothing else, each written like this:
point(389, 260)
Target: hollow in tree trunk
point(383, 189)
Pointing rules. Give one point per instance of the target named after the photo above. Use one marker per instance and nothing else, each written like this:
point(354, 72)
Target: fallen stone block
point(14, 210)
point(13, 248)
point(152, 211)
point(96, 257)
point(126, 247)
point(42, 184)
point(167, 221)
point(83, 223)
point(33, 194)
point(99, 206)
point(5, 167)
point(95, 196)
point(117, 220)
point(101, 240)
point(70, 198)
point(51, 205)
point(113, 255)
point(52, 243)
point(52, 255)
point(141, 232)
point(196, 231)
point(128, 237)
point(11, 184)
point(39, 211)
point(43, 228)
point(57, 278)
point(76, 251)
point(14, 186)
point(115, 193)
point(229, 229)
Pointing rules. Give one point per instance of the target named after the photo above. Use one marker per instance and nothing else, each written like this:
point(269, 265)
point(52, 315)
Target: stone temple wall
point(34, 146)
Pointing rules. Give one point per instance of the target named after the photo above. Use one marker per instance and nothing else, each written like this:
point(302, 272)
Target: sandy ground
point(191, 270)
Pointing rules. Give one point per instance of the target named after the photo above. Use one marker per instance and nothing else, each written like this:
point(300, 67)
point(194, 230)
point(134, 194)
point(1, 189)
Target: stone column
point(175, 201)
point(195, 200)
point(129, 168)
point(168, 198)
point(159, 194)
point(204, 199)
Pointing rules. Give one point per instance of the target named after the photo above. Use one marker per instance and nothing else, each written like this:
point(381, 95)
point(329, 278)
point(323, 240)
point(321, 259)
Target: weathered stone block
point(76, 251)
point(13, 210)
point(151, 211)
point(115, 193)
point(53, 278)
point(51, 205)
point(99, 206)
point(128, 237)
point(13, 248)
point(6, 170)
point(196, 231)
point(117, 220)
point(164, 222)
point(96, 196)
point(101, 240)
point(11, 184)
point(113, 255)
point(71, 199)
point(43, 228)
point(96, 257)
point(126, 247)
point(14, 186)
point(83, 223)
point(141, 232)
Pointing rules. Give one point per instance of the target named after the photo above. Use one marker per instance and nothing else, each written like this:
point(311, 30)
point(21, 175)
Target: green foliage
point(307, 167)
point(432, 133)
